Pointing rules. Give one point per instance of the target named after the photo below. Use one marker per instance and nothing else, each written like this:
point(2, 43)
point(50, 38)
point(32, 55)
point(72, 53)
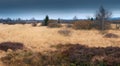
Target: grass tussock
point(111, 35)
point(65, 32)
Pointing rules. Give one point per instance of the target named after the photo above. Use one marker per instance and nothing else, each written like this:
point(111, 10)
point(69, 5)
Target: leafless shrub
point(102, 16)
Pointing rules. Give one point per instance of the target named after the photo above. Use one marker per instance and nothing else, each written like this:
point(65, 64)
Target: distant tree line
point(18, 21)
point(100, 20)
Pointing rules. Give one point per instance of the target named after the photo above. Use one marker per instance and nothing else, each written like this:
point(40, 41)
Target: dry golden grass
point(41, 38)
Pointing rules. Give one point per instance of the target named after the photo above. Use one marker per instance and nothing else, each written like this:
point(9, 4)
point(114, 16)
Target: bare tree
point(102, 15)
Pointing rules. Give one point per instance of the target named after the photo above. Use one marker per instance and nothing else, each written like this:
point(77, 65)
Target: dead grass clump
point(111, 35)
point(65, 32)
point(54, 25)
point(11, 45)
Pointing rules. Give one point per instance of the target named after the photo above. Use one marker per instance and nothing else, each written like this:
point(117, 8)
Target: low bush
point(30, 58)
point(22, 58)
point(65, 55)
point(80, 55)
point(54, 25)
point(83, 25)
point(11, 45)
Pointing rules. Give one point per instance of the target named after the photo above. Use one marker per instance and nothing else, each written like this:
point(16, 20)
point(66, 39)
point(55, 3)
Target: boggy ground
point(41, 38)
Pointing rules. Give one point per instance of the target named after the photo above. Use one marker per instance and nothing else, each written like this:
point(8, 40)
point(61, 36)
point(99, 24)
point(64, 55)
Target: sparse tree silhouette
point(91, 18)
point(75, 18)
point(8, 20)
point(58, 20)
point(46, 21)
point(101, 16)
point(19, 19)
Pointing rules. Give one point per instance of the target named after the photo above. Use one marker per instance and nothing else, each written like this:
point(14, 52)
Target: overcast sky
point(65, 9)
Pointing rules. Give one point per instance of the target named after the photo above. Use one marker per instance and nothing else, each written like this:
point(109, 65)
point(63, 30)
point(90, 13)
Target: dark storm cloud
point(57, 4)
point(22, 6)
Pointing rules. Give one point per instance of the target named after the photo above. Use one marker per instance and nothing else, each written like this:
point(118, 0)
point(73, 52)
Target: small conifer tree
point(46, 21)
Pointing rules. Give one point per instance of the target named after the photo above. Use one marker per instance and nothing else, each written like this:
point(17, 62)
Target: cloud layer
point(19, 8)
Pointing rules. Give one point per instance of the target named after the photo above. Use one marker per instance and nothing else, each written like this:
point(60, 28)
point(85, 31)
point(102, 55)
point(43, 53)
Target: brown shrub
point(22, 58)
point(66, 55)
point(83, 25)
point(111, 35)
point(94, 56)
point(54, 25)
point(11, 45)
point(29, 58)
